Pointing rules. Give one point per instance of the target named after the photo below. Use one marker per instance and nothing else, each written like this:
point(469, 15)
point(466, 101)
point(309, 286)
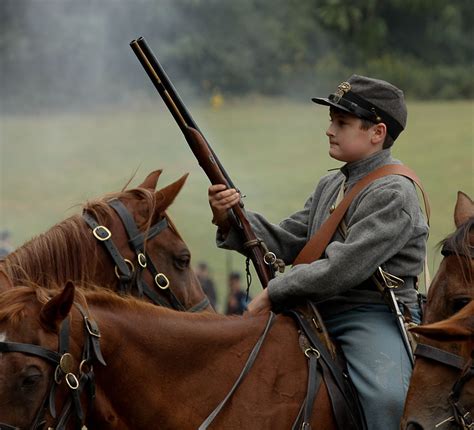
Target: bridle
point(461, 415)
point(64, 363)
point(130, 277)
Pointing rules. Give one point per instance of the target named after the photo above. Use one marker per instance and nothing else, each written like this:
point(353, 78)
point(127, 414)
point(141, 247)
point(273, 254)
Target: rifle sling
point(315, 247)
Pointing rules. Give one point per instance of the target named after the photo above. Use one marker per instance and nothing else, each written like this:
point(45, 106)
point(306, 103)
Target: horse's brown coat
point(165, 370)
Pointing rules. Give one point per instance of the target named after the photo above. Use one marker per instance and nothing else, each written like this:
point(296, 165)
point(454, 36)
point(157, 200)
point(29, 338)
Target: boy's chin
point(334, 153)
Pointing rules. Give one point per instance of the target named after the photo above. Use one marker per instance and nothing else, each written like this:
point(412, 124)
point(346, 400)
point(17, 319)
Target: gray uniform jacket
point(385, 227)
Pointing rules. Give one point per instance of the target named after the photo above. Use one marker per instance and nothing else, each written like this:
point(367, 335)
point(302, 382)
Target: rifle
point(262, 259)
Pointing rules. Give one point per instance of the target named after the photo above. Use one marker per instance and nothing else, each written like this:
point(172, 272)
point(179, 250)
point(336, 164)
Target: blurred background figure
point(207, 284)
point(5, 243)
point(237, 300)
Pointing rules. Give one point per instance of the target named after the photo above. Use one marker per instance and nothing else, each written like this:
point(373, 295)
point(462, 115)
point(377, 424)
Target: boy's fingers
point(227, 195)
point(213, 189)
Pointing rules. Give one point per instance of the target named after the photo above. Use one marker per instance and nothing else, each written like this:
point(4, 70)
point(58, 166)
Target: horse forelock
point(14, 302)
point(460, 241)
point(55, 256)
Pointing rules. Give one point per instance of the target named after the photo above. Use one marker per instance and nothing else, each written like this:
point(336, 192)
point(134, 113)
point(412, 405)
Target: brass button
point(332, 209)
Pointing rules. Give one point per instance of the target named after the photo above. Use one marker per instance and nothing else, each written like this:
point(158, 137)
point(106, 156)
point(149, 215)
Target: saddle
point(326, 363)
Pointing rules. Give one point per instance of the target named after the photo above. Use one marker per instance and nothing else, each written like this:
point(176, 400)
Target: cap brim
point(327, 102)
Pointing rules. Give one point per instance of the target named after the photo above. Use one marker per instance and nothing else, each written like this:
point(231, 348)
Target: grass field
point(274, 149)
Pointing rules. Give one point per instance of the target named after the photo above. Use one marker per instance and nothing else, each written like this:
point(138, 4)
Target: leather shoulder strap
point(315, 247)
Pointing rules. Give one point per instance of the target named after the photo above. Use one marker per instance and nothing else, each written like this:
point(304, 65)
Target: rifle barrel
point(167, 90)
point(201, 149)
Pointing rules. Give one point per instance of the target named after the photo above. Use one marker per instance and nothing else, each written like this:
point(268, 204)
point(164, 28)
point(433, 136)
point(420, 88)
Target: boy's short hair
point(372, 100)
point(366, 124)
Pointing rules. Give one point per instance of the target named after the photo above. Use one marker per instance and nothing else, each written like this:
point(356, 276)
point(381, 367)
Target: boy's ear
point(379, 132)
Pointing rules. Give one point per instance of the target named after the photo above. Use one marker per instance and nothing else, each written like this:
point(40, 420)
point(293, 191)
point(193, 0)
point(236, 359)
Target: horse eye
point(459, 303)
point(182, 261)
point(32, 376)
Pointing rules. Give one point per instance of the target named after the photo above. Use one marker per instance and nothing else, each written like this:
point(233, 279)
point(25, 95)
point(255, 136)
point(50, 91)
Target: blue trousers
point(377, 360)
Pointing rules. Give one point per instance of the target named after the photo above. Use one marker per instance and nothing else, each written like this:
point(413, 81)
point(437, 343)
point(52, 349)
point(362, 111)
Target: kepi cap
point(372, 99)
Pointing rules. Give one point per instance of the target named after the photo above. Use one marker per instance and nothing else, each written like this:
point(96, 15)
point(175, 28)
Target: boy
point(383, 227)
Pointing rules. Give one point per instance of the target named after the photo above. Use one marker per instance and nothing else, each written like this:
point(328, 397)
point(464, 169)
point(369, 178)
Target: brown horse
point(440, 393)
point(170, 373)
point(123, 241)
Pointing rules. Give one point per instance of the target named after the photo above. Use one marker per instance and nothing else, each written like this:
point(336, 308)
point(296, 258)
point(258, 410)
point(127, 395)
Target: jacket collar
point(358, 169)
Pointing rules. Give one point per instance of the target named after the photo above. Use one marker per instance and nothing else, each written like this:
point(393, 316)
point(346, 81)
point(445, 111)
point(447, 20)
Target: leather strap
point(315, 247)
point(104, 235)
point(36, 350)
point(345, 404)
point(439, 355)
point(248, 365)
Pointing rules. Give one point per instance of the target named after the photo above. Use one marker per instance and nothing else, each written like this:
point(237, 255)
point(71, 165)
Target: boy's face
point(348, 141)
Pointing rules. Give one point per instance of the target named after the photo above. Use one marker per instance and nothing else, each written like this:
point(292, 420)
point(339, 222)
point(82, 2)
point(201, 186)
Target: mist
point(71, 55)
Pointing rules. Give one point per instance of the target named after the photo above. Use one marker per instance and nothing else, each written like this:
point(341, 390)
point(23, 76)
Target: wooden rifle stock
point(204, 154)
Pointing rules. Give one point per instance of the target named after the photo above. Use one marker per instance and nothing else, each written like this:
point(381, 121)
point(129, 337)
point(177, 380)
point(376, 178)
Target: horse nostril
point(413, 426)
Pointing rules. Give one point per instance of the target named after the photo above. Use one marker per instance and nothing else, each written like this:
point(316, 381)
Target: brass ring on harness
point(311, 350)
point(129, 263)
point(269, 258)
point(101, 229)
point(72, 381)
point(160, 277)
point(85, 367)
point(141, 257)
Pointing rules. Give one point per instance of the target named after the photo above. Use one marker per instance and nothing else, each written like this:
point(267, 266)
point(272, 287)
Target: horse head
point(124, 241)
point(441, 393)
point(148, 257)
point(45, 373)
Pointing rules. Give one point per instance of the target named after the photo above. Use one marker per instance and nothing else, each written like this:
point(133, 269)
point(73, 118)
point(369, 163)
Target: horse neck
point(167, 358)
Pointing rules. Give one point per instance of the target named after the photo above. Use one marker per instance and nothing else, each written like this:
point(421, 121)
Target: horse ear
point(458, 327)
point(151, 180)
point(464, 209)
point(58, 308)
point(166, 195)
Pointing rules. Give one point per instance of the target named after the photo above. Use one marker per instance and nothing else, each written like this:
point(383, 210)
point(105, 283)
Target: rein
point(125, 269)
point(248, 365)
point(461, 415)
point(64, 362)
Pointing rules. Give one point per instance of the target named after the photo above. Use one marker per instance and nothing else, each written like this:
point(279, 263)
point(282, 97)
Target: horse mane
point(108, 299)
point(14, 301)
point(63, 252)
point(459, 243)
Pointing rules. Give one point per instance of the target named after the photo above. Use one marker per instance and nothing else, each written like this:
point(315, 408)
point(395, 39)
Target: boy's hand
point(261, 303)
point(221, 200)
